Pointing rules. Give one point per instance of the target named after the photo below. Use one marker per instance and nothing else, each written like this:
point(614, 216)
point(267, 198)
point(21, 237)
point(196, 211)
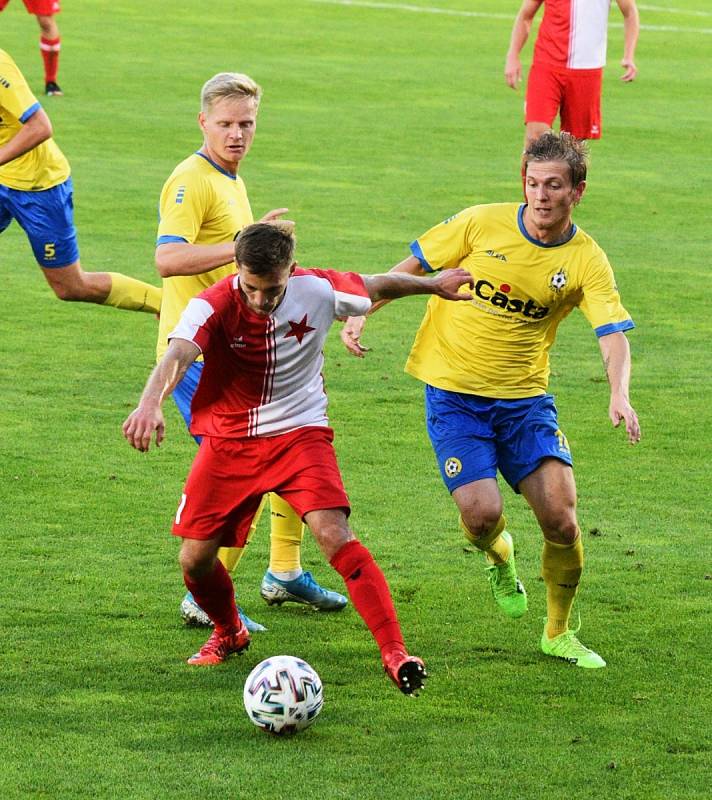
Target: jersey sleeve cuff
point(170, 240)
point(33, 109)
point(614, 327)
point(418, 253)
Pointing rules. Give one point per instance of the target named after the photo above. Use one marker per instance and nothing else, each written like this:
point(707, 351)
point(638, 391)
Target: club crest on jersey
point(558, 280)
point(453, 467)
point(298, 329)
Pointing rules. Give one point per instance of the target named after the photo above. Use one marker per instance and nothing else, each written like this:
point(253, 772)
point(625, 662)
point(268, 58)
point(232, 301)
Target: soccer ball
point(283, 694)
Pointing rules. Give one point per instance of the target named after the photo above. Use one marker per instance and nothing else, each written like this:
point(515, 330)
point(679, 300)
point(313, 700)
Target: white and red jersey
point(573, 34)
point(262, 374)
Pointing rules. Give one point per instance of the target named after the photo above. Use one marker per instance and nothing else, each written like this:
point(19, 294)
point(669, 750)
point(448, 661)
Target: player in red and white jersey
point(260, 409)
point(567, 70)
point(275, 384)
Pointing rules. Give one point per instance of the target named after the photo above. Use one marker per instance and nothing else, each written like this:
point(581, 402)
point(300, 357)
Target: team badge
point(453, 466)
point(558, 280)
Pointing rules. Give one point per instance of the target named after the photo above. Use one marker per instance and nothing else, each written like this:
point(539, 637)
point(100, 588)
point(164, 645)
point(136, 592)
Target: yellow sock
point(230, 556)
point(286, 537)
point(493, 545)
point(561, 568)
point(133, 295)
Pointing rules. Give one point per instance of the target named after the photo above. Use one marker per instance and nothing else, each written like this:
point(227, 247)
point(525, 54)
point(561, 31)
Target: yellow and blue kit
point(200, 204)
point(35, 188)
point(486, 362)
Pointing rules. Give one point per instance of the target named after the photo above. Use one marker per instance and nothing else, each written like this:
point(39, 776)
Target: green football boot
point(568, 648)
point(507, 590)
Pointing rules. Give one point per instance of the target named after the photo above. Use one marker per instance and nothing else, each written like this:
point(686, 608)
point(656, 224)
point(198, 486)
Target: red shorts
point(229, 477)
point(45, 8)
point(574, 94)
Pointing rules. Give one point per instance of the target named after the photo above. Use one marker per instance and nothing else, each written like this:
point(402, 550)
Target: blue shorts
point(184, 391)
point(474, 436)
point(47, 217)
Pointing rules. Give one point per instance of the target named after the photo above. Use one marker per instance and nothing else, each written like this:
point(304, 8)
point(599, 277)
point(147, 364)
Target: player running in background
point(50, 42)
point(567, 70)
point(485, 366)
point(36, 190)
point(260, 409)
point(202, 207)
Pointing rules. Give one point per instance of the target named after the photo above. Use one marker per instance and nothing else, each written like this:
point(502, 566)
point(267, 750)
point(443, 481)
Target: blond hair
point(228, 84)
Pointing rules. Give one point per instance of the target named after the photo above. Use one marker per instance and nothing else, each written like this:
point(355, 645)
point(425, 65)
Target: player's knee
point(195, 563)
point(69, 292)
point(561, 528)
point(480, 522)
point(332, 536)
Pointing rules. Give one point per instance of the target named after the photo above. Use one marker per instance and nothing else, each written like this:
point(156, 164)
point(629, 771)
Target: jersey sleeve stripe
point(170, 240)
point(196, 314)
point(33, 109)
point(418, 253)
point(614, 327)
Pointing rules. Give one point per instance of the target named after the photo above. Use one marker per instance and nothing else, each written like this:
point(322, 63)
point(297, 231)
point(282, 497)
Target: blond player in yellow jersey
point(203, 206)
point(485, 365)
point(36, 190)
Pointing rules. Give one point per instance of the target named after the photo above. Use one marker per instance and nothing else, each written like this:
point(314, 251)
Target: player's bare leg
point(369, 593)
point(72, 283)
point(551, 492)
point(50, 45)
point(482, 521)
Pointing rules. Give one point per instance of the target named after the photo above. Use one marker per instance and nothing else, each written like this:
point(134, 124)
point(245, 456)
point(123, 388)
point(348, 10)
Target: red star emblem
point(299, 329)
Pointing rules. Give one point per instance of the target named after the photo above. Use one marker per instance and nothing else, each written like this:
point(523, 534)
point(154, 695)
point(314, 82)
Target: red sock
point(50, 55)
point(215, 594)
point(370, 594)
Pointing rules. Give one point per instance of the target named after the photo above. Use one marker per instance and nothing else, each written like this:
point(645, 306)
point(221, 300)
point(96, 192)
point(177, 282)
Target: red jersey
point(262, 374)
point(573, 34)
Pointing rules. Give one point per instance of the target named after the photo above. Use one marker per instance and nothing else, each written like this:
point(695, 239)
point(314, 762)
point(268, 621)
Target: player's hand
point(630, 70)
point(140, 426)
point(513, 72)
point(274, 215)
point(621, 410)
point(448, 282)
point(351, 336)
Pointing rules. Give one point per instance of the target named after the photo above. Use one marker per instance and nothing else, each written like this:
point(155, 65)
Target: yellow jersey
point(45, 165)
point(200, 204)
point(497, 345)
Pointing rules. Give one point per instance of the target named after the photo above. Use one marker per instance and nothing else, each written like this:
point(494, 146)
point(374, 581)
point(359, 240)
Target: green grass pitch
point(379, 120)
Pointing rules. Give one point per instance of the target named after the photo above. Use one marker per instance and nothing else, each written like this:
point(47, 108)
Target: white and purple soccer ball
point(283, 694)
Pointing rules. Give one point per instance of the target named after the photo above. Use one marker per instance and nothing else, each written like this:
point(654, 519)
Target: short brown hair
point(564, 147)
point(228, 84)
point(264, 247)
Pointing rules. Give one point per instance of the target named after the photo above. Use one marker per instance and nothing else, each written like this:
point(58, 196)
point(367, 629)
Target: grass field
point(379, 120)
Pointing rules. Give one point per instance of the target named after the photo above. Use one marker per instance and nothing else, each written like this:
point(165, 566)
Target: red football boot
point(407, 672)
point(220, 645)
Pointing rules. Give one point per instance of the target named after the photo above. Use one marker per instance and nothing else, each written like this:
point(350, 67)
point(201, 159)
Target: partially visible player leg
point(482, 521)
point(551, 492)
point(71, 283)
point(285, 580)
point(190, 611)
point(369, 592)
point(209, 582)
point(50, 45)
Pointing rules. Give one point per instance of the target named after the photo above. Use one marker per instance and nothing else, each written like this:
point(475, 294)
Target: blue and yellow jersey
point(45, 165)
point(498, 344)
point(200, 204)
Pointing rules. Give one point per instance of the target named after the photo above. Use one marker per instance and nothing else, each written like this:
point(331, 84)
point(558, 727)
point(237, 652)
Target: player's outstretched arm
point(353, 328)
point(616, 359)
point(520, 34)
point(37, 129)
point(147, 418)
point(631, 30)
point(445, 284)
